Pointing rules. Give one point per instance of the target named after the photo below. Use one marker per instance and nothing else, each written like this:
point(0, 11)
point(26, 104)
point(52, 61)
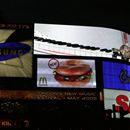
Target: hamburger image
point(73, 73)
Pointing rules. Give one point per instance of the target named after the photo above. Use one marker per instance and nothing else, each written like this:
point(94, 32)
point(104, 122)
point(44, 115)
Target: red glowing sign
point(123, 101)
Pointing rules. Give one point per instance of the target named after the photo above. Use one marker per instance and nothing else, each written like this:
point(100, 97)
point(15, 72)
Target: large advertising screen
point(16, 50)
point(66, 73)
point(116, 82)
point(16, 41)
point(81, 41)
point(116, 75)
point(117, 103)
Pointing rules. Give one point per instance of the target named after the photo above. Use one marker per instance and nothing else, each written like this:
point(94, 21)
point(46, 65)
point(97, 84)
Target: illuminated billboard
point(66, 73)
point(116, 75)
point(16, 41)
point(16, 50)
point(80, 41)
point(116, 82)
point(117, 103)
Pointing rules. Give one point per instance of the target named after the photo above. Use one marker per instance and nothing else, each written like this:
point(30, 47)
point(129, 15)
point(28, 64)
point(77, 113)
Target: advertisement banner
point(116, 75)
point(66, 73)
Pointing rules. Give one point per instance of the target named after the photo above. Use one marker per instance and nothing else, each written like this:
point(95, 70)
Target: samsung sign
point(116, 76)
point(12, 50)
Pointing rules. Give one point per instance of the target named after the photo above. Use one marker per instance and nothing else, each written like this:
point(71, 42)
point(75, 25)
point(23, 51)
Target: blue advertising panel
point(116, 75)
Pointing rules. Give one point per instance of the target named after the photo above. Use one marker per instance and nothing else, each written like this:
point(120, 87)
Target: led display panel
point(116, 82)
point(116, 75)
point(16, 54)
point(57, 39)
point(16, 50)
point(66, 73)
point(116, 103)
